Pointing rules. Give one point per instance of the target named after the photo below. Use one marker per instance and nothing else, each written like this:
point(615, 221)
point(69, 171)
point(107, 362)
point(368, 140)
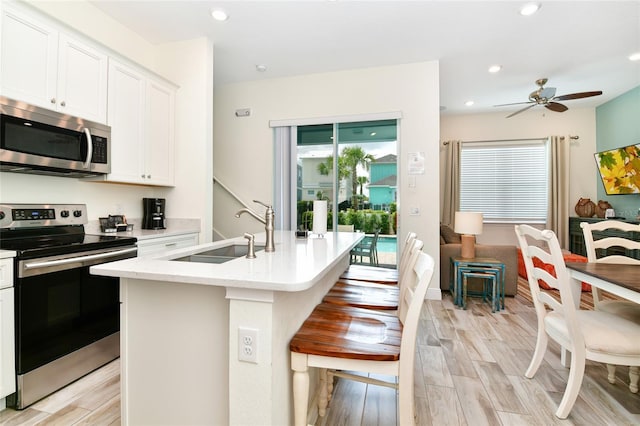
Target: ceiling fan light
point(495, 68)
point(529, 9)
point(634, 56)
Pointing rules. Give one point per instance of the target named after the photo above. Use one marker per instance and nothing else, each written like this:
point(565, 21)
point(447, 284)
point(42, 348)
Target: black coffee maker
point(153, 213)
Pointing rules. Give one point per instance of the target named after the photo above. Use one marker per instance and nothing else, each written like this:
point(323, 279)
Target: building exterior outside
point(383, 182)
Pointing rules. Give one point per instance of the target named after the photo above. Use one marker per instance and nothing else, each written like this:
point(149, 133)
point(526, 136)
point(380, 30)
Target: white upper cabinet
point(126, 118)
point(142, 119)
point(46, 67)
point(159, 147)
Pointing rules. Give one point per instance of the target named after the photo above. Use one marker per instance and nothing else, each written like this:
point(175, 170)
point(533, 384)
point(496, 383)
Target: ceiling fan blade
point(554, 106)
point(517, 103)
point(522, 110)
point(577, 95)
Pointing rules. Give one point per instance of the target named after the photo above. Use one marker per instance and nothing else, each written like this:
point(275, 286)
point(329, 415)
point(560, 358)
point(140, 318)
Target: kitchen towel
point(319, 217)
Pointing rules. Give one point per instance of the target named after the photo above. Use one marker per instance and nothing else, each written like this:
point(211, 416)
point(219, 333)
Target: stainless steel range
point(67, 321)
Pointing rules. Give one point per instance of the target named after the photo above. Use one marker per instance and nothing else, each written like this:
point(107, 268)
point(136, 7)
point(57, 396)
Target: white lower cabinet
point(7, 348)
point(153, 246)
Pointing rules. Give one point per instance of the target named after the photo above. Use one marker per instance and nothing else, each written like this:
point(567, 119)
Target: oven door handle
point(50, 263)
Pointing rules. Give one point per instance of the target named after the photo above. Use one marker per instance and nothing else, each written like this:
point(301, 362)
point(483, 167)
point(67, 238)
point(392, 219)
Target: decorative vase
point(585, 207)
point(602, 207)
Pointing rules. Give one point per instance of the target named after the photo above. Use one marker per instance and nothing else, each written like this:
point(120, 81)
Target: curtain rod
point(515, 140)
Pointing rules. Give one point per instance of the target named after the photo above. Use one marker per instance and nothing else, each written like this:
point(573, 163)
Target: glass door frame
point(285, 145)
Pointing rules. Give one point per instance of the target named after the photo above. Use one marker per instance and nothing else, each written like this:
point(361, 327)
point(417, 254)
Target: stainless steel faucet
point(268, 220)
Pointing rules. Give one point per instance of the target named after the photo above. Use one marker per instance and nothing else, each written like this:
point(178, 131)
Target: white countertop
point(296, 265)
point(174, 227)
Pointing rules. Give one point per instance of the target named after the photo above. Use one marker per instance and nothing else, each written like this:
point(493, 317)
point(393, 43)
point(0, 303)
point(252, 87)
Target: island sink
point(219, 255)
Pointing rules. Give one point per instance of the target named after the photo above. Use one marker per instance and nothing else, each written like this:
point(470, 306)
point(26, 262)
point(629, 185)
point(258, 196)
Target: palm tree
point(362, 180)
point(355, 156)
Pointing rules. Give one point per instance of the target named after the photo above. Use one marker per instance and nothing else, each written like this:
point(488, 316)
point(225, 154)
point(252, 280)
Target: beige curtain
point(451, 199)
point(559, 206)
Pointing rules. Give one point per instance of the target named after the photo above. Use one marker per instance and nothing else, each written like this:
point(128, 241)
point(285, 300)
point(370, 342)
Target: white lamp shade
point(468, 223)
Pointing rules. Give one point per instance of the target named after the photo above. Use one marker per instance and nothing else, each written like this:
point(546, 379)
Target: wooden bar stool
point(378, 274)
point(362, 294)
point(362, 340)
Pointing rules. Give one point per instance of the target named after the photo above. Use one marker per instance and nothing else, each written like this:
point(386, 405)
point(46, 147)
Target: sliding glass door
point(354, 167)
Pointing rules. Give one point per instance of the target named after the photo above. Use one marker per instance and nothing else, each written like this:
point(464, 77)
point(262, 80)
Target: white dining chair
point(594, 247)
point(588, 334)
point(365, 341)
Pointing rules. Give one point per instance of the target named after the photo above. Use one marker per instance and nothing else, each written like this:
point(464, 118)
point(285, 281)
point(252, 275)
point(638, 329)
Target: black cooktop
point(37, 242)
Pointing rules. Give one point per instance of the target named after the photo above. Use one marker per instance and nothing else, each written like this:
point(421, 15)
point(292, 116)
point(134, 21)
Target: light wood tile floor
point(92, 400)
point(469, 371)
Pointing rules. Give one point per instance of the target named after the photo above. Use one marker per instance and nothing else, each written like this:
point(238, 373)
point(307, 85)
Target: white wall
point(188, 64)
point(532, 124)
point(243, 147)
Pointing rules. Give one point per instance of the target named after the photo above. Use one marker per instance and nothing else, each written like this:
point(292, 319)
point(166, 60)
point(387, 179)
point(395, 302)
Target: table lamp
point(468, 224)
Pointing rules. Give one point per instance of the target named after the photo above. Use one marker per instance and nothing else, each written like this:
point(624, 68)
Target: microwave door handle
point(87, 162)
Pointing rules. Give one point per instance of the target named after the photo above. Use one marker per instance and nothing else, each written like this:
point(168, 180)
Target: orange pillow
point(568, 257)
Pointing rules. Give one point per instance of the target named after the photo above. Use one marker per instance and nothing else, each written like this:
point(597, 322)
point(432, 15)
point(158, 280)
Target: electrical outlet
point(414, 211)
point(248, 345)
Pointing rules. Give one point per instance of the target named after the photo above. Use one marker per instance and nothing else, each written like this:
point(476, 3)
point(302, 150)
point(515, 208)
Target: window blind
point(505, 180)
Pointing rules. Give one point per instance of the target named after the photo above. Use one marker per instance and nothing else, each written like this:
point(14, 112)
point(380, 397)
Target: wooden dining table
point(619, 279)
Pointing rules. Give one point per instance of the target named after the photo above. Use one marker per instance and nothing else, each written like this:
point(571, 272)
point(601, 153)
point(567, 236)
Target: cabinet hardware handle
point(53, 100)
point(63, 103)
point(142, 176)
point(87, 162)
point(148, 176)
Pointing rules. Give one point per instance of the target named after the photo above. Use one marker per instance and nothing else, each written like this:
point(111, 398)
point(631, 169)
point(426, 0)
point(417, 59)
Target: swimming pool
point(387, 244)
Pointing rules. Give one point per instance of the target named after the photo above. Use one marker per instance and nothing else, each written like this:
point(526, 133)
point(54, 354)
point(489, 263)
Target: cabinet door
point(29, 59)
point(126, 118)
point(7, 354)
point(82, 80)
point(160, 133)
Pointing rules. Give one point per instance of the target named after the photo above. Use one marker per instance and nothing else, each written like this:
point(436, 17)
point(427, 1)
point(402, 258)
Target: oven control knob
point(64, 213)
point(77, 213)
point(1, 215)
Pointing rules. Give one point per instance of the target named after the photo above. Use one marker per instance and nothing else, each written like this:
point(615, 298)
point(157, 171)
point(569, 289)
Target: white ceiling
point(579, 45)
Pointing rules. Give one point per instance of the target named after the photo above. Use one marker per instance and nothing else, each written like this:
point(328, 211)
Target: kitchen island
point(180, 325)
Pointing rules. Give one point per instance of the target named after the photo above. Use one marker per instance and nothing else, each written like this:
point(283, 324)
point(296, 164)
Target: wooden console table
point(576, 238)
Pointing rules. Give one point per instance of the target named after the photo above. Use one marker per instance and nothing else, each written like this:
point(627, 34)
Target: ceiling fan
point(546, 96)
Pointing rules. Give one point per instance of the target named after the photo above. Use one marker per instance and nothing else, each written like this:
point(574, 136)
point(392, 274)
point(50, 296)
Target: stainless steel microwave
point(40, 141)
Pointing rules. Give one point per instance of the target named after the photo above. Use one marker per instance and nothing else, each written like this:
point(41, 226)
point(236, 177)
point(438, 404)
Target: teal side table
point(479, 265)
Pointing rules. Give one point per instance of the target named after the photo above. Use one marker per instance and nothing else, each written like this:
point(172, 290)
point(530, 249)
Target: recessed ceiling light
point(219, 15)
point(495, 68)
point(529, 9)
point(634, 56)
point(468, 103)
point(261, 68)
point(372, 134)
